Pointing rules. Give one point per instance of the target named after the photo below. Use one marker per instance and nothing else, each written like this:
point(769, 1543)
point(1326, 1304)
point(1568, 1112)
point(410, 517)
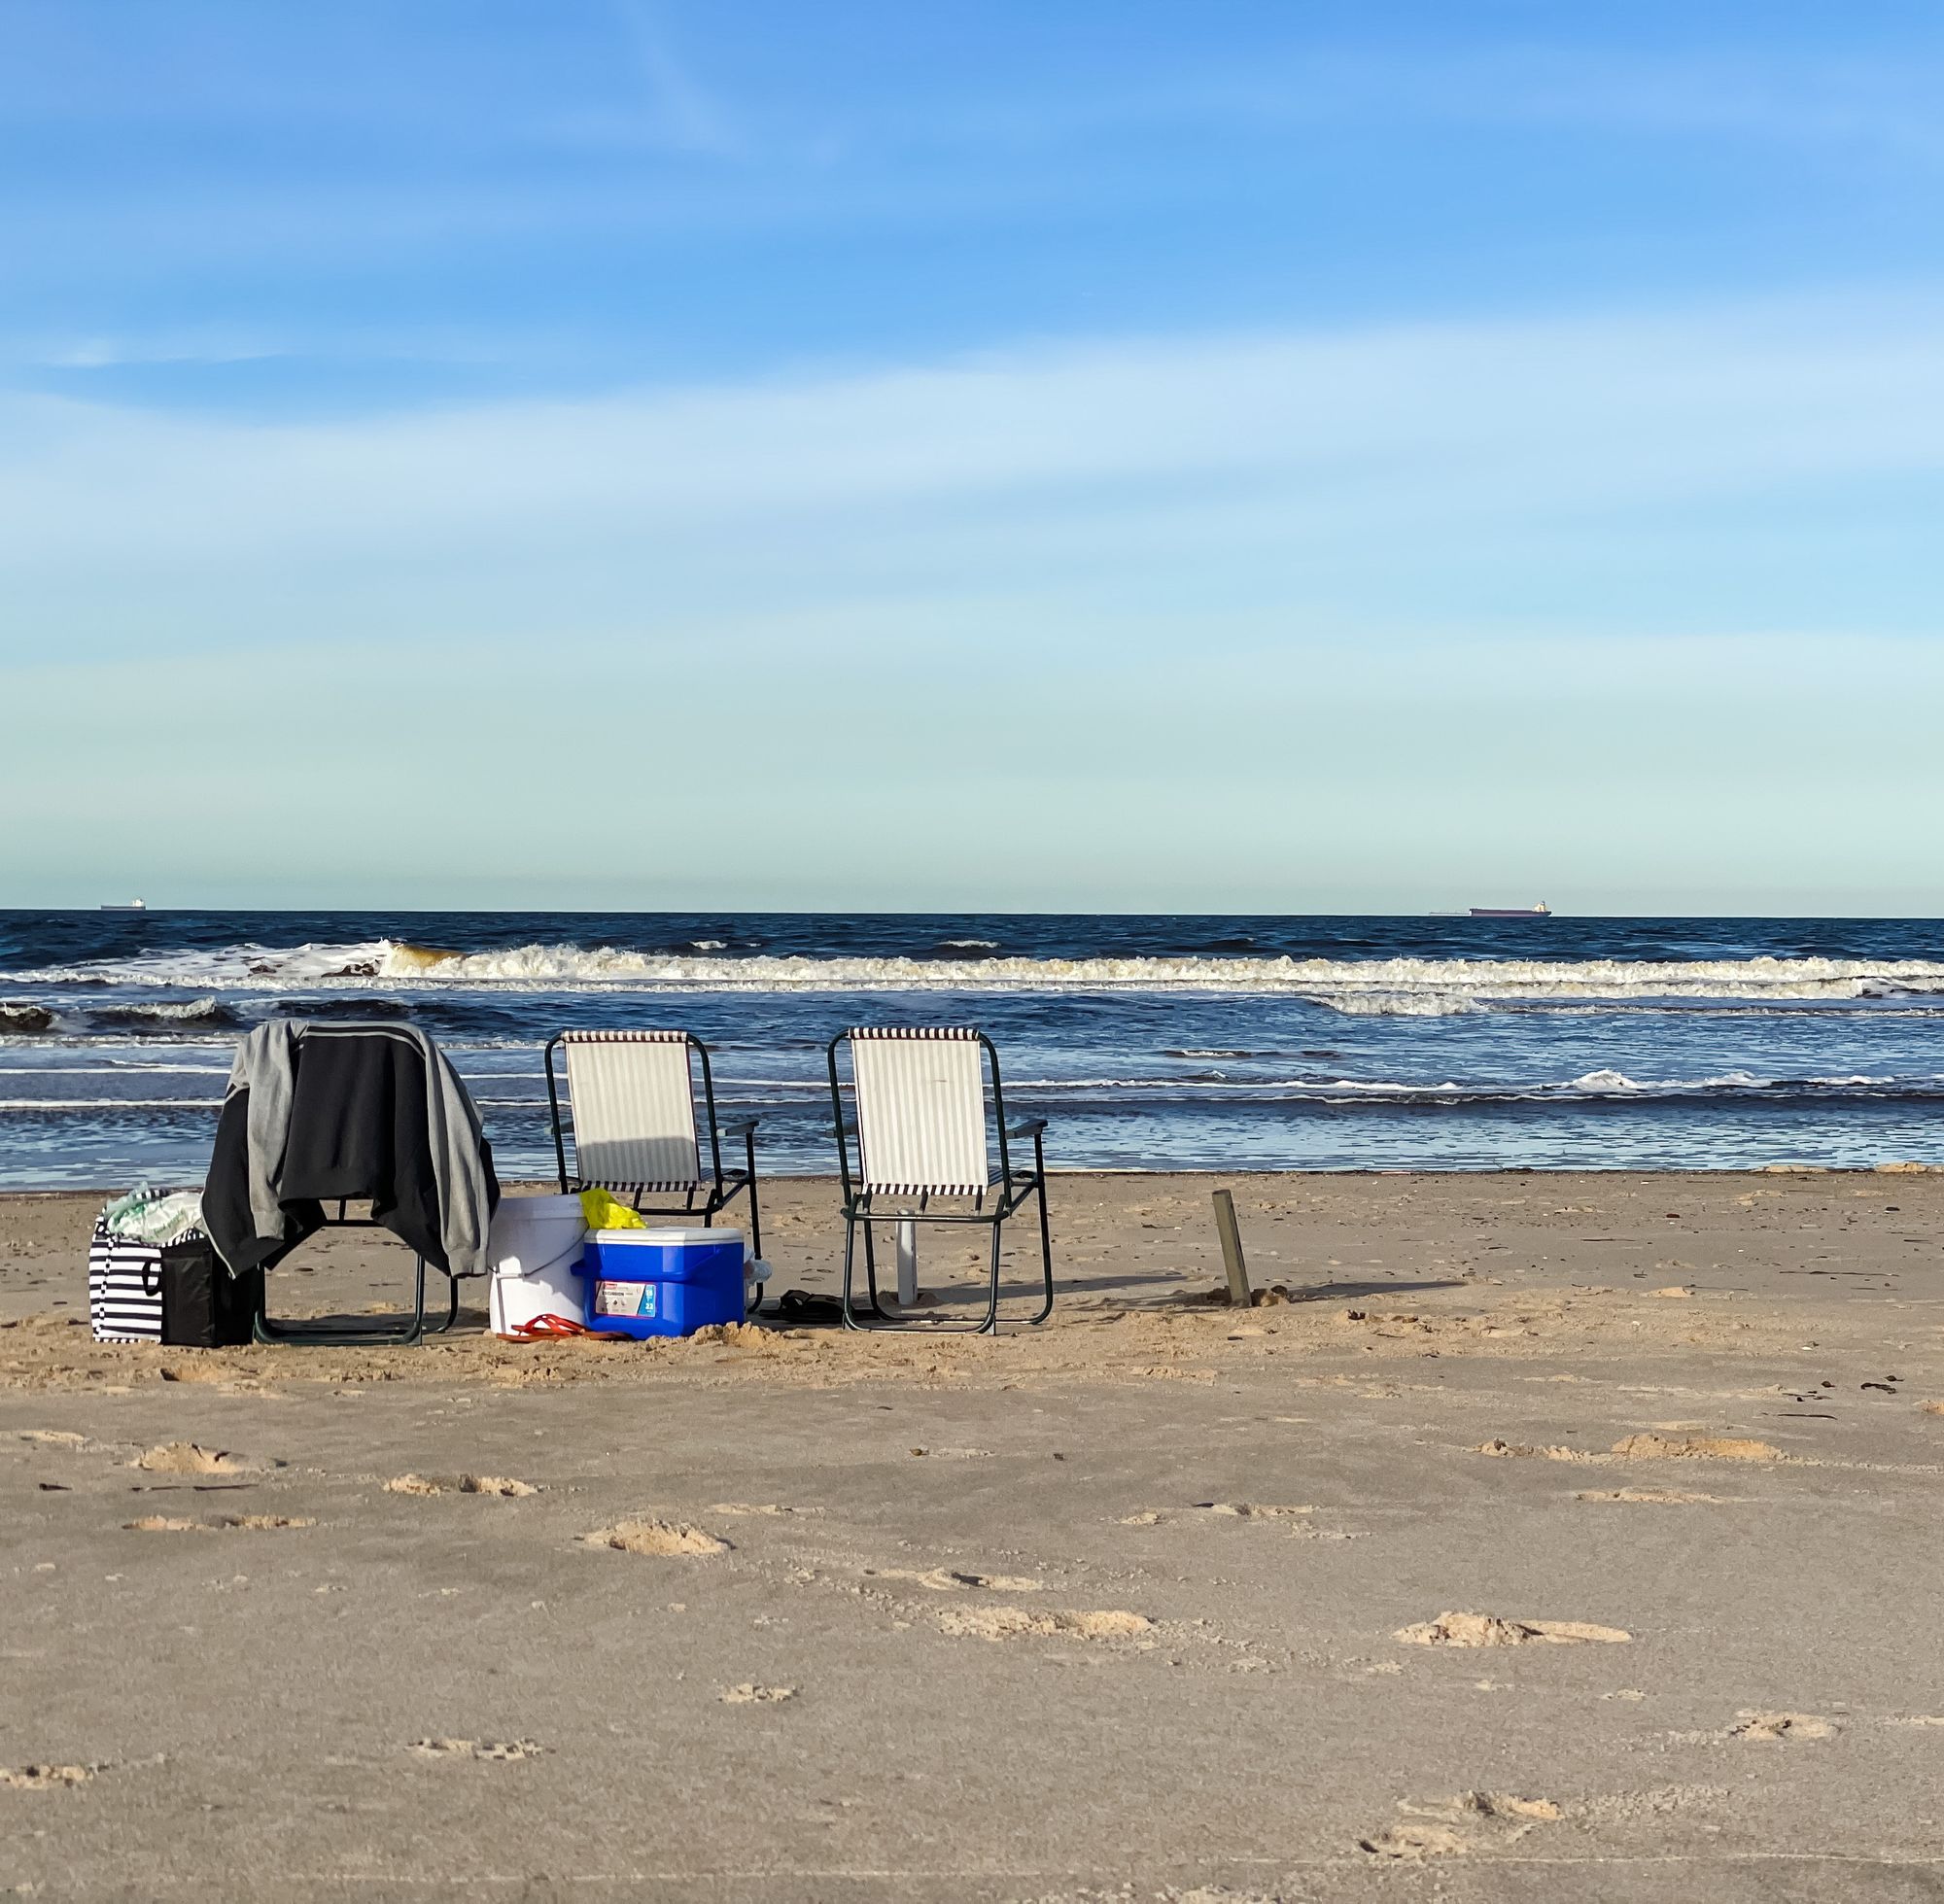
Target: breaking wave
point(1592, 1087)
point(1408, 987)
point(190, 1014)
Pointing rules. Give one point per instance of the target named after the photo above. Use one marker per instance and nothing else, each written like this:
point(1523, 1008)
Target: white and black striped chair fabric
point(638, 1118)
point(922, 1111)
point(632, 1094)
point(923, 1104)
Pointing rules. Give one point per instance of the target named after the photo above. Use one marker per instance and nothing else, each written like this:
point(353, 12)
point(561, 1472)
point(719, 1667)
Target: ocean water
point(1197, 1043)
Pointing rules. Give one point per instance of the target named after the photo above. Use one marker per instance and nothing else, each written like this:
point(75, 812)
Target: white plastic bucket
point(534, 1249)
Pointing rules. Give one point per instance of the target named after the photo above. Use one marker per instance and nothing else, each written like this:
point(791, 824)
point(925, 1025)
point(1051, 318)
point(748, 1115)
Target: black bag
point(203, 1306)
point(178, 1293)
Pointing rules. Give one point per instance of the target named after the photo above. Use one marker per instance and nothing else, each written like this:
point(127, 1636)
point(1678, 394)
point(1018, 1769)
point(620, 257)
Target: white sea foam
point(200, 1104)
point(224, 968)
point(191, 1010)
point(1433, 1003)
point(1427, 988)
point(1591, 1085)
point(115, 1067)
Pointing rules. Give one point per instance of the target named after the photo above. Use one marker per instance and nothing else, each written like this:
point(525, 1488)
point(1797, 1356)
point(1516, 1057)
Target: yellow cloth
point(606, 1212)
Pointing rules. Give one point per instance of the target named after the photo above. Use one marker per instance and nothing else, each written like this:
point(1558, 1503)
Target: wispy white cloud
point(1749, 91)
point(128, 350)
point(1287, 440)
point(681, 111)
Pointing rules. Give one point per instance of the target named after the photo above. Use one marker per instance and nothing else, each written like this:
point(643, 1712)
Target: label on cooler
point(625, 1298)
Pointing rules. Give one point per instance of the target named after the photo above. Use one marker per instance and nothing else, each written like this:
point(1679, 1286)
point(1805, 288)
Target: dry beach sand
point(1560, 1536)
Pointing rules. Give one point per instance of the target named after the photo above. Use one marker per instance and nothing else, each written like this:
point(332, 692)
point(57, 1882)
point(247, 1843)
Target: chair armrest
point(1029, 1127)
point(736, 1126)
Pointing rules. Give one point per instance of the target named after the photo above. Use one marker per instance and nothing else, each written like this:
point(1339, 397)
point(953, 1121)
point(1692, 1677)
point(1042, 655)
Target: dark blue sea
point(1228, 1043)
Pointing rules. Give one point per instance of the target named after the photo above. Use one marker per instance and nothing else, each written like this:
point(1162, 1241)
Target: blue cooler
point(662, 1282)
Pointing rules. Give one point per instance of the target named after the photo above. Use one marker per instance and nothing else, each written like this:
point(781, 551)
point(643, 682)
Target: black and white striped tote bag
point(124, 1290)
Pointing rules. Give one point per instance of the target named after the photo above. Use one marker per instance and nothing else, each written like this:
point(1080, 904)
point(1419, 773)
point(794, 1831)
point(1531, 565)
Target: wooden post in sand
point(1232, 1251)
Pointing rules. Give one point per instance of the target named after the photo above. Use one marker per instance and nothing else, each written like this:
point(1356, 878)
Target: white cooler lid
point(667, 1239)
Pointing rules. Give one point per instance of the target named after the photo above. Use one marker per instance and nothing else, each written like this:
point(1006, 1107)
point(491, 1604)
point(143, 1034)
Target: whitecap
point(1415, 988)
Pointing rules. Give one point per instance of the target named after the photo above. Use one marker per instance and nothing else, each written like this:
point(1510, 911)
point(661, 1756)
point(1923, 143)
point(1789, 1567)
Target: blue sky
point(1308, 457)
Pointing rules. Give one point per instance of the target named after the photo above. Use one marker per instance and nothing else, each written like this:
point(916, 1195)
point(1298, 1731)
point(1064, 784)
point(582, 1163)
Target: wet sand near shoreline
point(1563, 1535)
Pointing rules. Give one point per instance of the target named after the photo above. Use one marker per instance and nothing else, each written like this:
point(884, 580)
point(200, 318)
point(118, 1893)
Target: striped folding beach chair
point(629, 1117)
point(923, 1107)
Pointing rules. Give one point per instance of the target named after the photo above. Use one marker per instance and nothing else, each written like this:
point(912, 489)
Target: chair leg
point(451, 1315)
point(871, 1272)
point(416, 1331)
point(1045, 1255)
point(755, 1226)
point(850, 1251)
point(991, 1325)
point(755, 1215)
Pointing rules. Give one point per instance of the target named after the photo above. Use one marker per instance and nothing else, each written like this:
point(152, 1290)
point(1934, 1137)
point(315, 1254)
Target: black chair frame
point(1014, 1187)
point(723, 1184)
point(352, 1333)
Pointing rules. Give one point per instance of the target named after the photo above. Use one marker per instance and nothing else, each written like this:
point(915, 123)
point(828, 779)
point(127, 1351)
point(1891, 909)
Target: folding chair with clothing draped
point(318, 1116)
point(629, 1117)
point(923, 1106)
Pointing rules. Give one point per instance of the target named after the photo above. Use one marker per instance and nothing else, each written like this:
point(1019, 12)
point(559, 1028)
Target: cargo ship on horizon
point(1541, 911)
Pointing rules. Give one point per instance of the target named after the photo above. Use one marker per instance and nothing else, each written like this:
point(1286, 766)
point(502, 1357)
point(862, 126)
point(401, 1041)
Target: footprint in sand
point(44, 1777)
point(1013, 1622)
point(1794, 1727)
point(187, 1457)
point(1454, 1827)
point(226, 1523)
point(1493, 1629)
point(1521, 1451)
point(1654, 1496)
point(495, 1484)
point(213, 1375)
point(1643, 1447)
point(497, 1751)
point(656, 1537)
point(748, 1695)
point(944, 1579)
point(1250, 1509)
point(1694, 1447)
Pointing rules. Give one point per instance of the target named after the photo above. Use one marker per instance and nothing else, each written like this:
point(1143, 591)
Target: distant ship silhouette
point(1541, 911)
